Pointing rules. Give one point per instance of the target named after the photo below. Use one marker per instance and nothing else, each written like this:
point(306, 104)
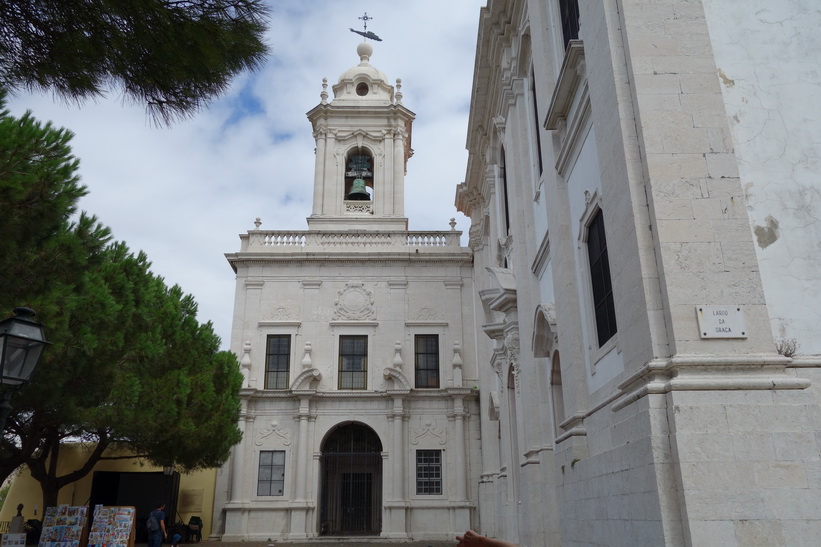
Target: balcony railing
point(318, 241)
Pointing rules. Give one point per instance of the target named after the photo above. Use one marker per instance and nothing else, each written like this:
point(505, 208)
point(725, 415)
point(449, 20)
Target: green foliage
point(171, 55)
point(129, 363)
point(4, 492)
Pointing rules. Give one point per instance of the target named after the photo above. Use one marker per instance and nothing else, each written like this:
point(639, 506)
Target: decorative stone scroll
point(276, 430)
point(429, 428)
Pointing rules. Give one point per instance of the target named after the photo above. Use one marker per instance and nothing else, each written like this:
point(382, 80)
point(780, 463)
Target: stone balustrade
point(289, 241)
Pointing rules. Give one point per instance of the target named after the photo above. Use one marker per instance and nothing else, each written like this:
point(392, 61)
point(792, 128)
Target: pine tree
point(174, 56)
point(129, 365)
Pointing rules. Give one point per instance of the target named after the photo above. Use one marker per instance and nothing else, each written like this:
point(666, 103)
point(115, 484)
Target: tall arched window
point(603, 306)
point(556, 392)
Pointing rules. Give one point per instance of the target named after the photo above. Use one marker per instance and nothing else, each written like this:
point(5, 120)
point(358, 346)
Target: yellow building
point(130, 481)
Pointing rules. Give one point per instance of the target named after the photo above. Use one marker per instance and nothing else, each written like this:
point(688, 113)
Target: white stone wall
point(661, 425)
point(769, 69)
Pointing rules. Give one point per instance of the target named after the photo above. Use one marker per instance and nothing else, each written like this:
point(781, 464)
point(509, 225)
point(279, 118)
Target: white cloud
point(183, 194)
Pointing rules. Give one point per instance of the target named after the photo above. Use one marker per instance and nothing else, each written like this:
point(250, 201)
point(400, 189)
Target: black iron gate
point(351, 482)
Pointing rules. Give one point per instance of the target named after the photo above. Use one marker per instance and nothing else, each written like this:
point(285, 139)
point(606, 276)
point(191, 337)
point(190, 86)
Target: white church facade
point(356, 338)
point(626, 353)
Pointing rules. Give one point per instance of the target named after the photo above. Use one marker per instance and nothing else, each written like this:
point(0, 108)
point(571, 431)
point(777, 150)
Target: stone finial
point(452, 223)
point(307, 362)
point(456, 363)
point(257, 223)
point(245, 363)
point(397, 357)
point(398, 93)
point(324, 94)
point(364, 50)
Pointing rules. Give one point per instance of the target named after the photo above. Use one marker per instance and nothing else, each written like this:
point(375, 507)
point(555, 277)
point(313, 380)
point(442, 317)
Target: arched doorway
point(351, 502)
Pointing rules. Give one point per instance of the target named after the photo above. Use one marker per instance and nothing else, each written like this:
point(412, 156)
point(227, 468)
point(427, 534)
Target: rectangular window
point(277, 361)
point(428, 472)
point(569, 10)
point(271, 481)
point(505, 201)
point(353, 362)
point(603, 305)
point(427, 360)
point(537, 125)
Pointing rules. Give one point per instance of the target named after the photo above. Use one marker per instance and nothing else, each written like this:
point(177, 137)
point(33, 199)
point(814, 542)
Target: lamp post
point(22, 340)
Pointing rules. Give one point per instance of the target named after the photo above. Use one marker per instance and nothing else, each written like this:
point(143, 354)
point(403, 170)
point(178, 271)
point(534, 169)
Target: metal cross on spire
point(365, 20)
point(366, 34)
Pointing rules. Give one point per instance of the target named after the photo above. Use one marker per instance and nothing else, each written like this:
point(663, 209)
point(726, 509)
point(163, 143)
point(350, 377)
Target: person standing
point(156, 526)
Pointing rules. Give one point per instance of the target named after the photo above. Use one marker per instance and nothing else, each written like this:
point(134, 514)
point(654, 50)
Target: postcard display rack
point(64, 526)
point(112, 527)
point(13, 540)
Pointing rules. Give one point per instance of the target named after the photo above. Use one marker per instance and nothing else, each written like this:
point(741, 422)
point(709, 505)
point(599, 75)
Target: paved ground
point(321, 542)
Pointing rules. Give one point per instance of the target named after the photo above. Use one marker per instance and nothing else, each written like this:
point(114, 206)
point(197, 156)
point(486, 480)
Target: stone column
point(321, 136)
point(459, 428)
point(299, 507)
point(398, 173)
point(237, 467)
point(397, 506)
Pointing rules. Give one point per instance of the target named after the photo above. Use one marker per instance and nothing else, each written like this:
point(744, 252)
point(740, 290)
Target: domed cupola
point(363, 84)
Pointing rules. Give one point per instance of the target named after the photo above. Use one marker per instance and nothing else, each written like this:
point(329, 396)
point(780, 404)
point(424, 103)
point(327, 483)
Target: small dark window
point(353, 362)
point(600, 278)
point(428, 472)
point(569, 10)
point(362, 89)
point(271, 479)
point(427, 360)
point(277, 361)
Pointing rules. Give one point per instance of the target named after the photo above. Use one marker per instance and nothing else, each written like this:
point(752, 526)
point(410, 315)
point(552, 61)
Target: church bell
point(358, 191)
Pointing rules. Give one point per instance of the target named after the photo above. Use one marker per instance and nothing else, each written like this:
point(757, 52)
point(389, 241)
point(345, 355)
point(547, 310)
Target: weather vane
point(366, 33)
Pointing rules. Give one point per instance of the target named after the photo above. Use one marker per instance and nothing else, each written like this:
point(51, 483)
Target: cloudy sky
point(183, 194)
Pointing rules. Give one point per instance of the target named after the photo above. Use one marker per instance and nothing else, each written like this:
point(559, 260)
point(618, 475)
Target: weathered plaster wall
point(767, 55)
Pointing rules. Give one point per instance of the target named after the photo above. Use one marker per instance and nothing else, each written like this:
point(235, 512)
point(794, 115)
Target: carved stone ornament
point(426, 314)
point(358, 207)
point(277, 430)
point(429, 428)
point(279, 313)
point(354, 303)
point(496, 361)
point(512, 348)
point(516, 379)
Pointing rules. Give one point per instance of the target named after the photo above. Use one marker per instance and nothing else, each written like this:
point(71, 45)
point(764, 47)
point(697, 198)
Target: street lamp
point(22, 340)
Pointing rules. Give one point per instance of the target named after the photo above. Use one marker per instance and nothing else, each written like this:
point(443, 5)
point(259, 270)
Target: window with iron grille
point(353, 362)
point(427, 360)
point(569, 10)
point(277, 361)
point(428, 472)
point(605, 310)
point(271, 479)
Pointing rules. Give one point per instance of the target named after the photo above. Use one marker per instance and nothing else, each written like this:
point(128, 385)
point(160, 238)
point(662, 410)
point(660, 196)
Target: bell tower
point(363, 143)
